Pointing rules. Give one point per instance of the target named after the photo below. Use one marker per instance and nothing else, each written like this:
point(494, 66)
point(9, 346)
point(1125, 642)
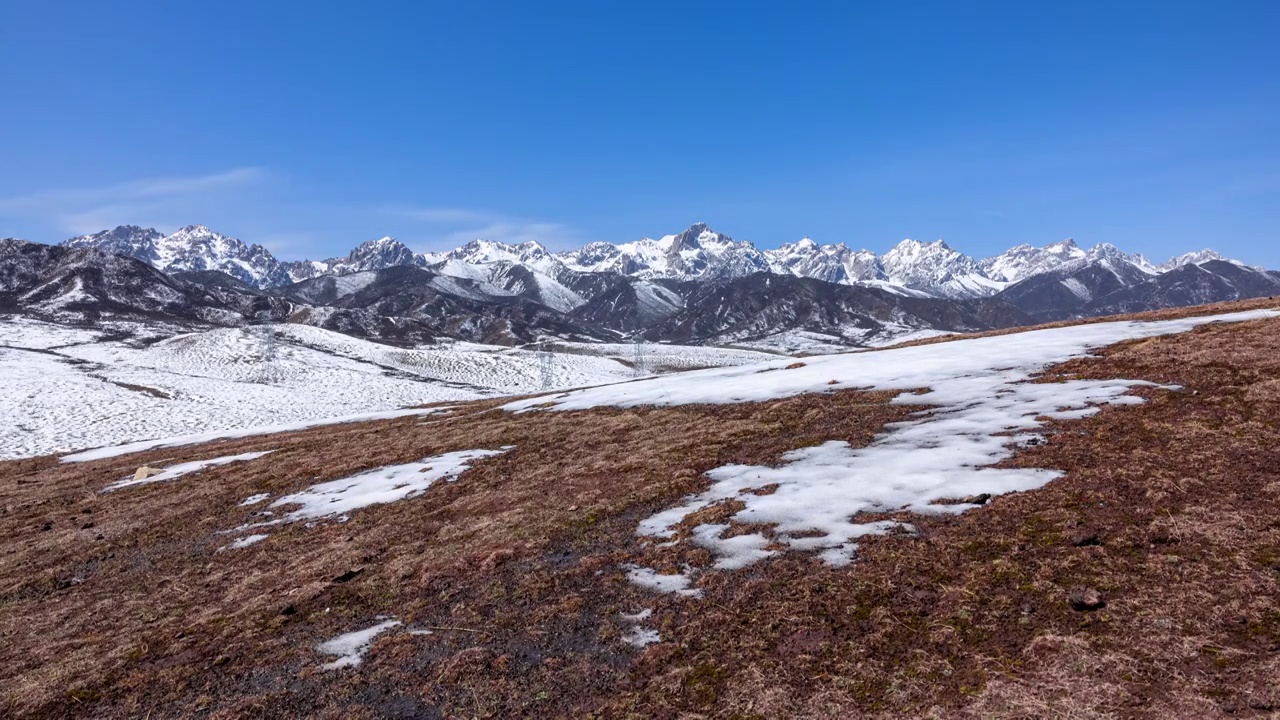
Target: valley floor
point(1007, 526)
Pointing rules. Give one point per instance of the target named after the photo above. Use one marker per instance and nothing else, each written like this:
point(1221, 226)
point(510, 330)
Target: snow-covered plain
point(983, 407)
point(64, 388)
point(666, 358)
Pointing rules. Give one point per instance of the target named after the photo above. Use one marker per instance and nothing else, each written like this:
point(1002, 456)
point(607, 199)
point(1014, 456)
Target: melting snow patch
point(652, 580)
point(246, 541)
point(254, 499)
point(381, 485)
point(336, 499)
point(176, 471)
point(350, 648)
point(641, 637)
point(637, 617)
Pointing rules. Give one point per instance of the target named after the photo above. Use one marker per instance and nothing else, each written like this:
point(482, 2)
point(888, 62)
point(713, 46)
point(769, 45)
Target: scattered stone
point(348, 575)
point(977, 499)
point(1084, 538)
point(1086, 599)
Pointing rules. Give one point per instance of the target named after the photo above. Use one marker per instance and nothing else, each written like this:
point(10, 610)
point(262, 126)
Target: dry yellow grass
point(119, 605)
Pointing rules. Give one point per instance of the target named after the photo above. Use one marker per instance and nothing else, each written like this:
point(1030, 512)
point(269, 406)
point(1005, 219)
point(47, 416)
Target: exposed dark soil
point(1144, 583)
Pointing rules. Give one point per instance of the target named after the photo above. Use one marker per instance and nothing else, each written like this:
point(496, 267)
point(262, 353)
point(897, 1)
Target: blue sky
point(310, 128)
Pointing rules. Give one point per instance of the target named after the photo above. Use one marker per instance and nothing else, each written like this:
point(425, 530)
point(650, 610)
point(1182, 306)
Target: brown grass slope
point(120, 605)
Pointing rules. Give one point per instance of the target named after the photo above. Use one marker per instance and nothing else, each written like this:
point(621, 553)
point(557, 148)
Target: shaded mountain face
point(408, 303)
point(1189, 284)
point(764, 304)
point(630, 304)
point(84, 285)
point(1064, 293)
point(1109, 286)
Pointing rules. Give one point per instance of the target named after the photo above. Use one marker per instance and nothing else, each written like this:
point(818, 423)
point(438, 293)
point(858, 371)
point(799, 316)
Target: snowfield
point(64, 388)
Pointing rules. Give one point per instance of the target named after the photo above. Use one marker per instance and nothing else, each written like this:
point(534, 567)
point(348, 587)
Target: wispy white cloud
point(446, 228)
point(82, 210)
point(447, 216)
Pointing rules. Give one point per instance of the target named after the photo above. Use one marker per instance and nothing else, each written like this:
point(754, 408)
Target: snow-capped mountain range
point(911, 268)
point(697, 286)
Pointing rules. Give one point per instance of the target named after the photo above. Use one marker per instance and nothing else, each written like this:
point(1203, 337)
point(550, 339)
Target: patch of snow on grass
point(254, 499)
point(174, 472)
point(246, 541)
point(336, 499)
point(983, 406)
point(641, 637)
point(350, 647)
point(377, 486)
point(652, 580)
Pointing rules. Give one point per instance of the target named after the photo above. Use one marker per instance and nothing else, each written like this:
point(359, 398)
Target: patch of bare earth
point(120, 605)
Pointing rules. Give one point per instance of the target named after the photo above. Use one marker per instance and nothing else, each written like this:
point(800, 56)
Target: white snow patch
point(337, 499)
point(254, 499)
point(174, 472)
point(377, 486)
point(1078, 289)
point(350, 647)
point(641, 616)
point(652, 580)
point(246, 541)
point(641, 637)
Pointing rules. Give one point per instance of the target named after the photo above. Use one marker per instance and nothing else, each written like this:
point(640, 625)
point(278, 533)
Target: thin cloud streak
point(80, 210)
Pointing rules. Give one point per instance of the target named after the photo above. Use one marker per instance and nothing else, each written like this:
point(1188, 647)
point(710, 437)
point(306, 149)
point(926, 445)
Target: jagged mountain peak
point(481, 251)
point(696, 236)
point(1195, 258)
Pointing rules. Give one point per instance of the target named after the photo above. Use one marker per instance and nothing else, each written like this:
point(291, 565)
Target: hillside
point(1069, 521)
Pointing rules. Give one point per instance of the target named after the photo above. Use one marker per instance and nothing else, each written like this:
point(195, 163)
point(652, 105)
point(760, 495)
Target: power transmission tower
point(266, 347)
point(547, 368)
point(637, 363)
